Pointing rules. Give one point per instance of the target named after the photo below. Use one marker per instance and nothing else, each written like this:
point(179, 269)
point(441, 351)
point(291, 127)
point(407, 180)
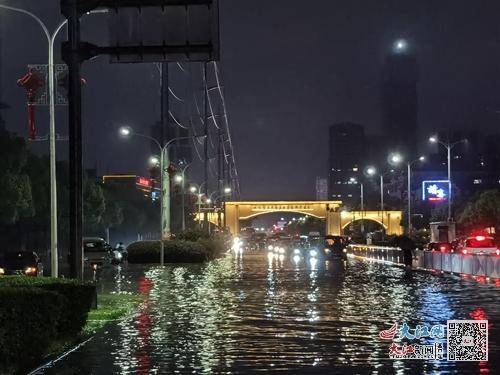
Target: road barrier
point(468, 264)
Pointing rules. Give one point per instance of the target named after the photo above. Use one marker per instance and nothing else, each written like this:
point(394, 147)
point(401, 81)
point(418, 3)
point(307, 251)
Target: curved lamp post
point(449, 146)
point(52, 130)
point(164, 162)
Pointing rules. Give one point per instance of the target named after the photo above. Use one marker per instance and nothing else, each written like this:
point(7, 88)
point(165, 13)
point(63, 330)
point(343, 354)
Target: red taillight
point(464, 251)
point(443, 248)
point(480, 238)
point(498, 252)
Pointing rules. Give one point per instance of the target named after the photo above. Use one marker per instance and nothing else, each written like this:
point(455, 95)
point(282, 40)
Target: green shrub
point(77, 296)
point(175, 251)
point(192, 235)
point(28, 325)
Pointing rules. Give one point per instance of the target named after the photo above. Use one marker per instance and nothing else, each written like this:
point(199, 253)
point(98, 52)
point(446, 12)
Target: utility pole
point(205, 122)
point(220, 183)
point(71, 54)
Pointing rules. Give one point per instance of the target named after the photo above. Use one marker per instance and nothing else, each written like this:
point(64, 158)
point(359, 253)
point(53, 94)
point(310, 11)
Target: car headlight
point(270, 247)
point(30, 270)
point(327, 250)
point(313, 253)
point(296, 251)
point(281, 250)
point(2, 271)
point(344, 250)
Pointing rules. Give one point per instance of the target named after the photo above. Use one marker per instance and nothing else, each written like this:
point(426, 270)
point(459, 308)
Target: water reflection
point(262, 311)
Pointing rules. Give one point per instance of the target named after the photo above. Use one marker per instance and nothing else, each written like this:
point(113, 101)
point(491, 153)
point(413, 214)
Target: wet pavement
point(245, 314)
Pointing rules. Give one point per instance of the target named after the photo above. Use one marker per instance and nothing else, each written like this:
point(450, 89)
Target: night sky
point(290, 69)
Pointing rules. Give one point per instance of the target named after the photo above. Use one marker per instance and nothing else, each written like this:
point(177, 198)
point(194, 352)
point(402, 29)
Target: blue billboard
point(435, 190)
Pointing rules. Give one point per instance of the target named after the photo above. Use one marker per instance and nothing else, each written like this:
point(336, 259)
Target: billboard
point(182, 30)
point(435, 190)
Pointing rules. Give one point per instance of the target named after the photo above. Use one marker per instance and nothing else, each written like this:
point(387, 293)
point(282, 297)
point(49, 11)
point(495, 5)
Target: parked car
point(21, 263)
point(479, 244)
point(96, 251)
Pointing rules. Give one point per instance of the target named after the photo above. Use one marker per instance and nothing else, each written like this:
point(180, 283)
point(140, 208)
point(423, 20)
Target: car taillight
point(464, 251)
point(498, 252)
point(443, 248)
point(480, 238)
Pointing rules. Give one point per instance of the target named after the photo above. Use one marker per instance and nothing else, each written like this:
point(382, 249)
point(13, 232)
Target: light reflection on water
point(244, 313)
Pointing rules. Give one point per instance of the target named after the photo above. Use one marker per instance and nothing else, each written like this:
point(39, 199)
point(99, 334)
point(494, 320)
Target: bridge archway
point(336, 220)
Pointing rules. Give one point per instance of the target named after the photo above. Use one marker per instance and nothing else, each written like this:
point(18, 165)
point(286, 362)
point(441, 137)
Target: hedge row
point(36, 313)
point(175, 251)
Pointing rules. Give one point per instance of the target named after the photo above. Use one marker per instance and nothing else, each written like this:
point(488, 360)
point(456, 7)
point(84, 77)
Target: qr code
point(467, 340)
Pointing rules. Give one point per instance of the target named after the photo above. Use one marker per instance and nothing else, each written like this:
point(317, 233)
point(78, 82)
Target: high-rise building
point(321, 189)
point(399, 99)
point(347, 154)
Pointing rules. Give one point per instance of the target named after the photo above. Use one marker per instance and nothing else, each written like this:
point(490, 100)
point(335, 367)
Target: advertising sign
point(435, 190)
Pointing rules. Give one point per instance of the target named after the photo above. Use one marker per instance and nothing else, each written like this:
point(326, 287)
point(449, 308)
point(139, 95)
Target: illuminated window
point(477, 181)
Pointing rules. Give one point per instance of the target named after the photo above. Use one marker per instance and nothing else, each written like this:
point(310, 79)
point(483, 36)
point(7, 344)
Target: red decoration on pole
point(31, 83)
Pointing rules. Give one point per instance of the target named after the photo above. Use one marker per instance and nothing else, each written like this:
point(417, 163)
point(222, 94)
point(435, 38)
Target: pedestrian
point(407, 246)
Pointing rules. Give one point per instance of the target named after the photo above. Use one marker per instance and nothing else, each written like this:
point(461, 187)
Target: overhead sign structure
point(140, 31)
point(435, 190)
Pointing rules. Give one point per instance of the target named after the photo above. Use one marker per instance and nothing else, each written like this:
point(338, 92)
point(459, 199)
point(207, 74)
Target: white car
point(480, 244)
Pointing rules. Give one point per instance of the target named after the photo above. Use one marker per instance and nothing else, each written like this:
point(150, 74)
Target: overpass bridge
point(336, 220)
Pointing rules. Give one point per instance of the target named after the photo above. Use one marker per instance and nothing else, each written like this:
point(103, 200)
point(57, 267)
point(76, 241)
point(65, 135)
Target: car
point(478, 244)
point(335, 247)
point(444, 247)
point(96, 251)
point(21, 263)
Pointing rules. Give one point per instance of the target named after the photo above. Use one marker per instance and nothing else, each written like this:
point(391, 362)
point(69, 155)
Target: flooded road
point(242, 314)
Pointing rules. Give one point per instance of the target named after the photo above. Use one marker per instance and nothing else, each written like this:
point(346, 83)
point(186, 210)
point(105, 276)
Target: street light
point(409, 164)
point(154, 160)
point(395, 158)
point(163, 162)
point(227, 190)
point(449, 147)
point(52, 129)
point(193, 189)
point(125, 131)
point(362, 198)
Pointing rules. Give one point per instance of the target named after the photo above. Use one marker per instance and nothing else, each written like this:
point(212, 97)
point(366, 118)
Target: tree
point(15, 189)
point(483, 211)
point(94, 206)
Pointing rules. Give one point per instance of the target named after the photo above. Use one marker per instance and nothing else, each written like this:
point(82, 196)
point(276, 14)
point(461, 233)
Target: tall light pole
point(52, 130)
point(394, 159)
point(164, 162)
point(449, 146)
point(181, 178)
point(409, 164)
point(196, 189)
point(353, 180)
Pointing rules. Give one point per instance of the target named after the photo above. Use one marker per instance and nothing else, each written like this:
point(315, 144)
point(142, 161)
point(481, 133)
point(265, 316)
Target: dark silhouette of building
point(347, 153)
point(399, 100)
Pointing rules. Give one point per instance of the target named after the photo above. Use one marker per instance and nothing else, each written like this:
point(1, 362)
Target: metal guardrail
point(468, 264)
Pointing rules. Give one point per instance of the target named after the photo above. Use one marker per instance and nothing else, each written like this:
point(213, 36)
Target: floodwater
point(250, 313)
